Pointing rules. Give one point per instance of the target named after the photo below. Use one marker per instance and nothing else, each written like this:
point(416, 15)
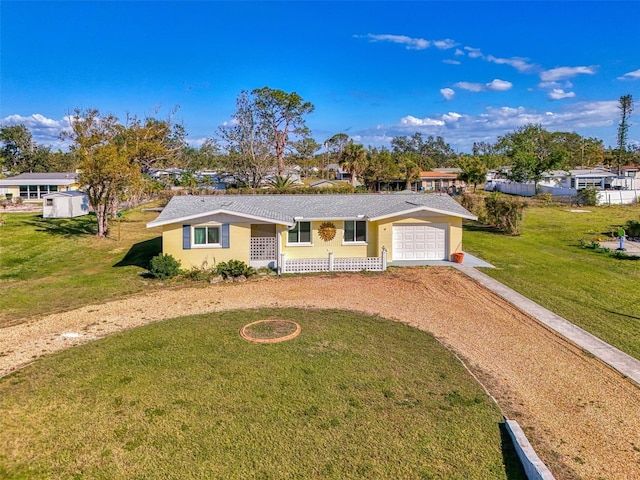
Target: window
point(206, 235)
point(301, 233)
point(355, 231)
point(49, 202)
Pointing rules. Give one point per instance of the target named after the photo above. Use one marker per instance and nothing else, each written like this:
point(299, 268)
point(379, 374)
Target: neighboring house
point(65, 204)
point(301, 233)
point(439, 181)
point(33, 186)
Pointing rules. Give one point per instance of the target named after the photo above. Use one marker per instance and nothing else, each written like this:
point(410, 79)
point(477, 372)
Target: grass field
point(49, 265)
point(547, 264)
point(351, 397)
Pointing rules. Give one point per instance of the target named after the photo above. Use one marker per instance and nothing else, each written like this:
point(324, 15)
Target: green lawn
point(546, 264)
point(49, 265)
point(351, 397)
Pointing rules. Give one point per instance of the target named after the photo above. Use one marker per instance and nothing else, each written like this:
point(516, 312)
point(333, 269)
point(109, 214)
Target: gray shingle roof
point(286, 209)
point(51, 178)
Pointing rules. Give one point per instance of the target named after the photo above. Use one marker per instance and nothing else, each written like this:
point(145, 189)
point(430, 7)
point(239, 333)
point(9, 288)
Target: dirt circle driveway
point(582, 417)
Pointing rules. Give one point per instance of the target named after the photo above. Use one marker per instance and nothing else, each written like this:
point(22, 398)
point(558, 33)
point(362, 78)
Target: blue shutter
point(225, 235)
point(186, 237)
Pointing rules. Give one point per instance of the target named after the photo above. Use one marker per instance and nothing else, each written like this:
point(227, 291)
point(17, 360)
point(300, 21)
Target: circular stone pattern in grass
point(272, 330)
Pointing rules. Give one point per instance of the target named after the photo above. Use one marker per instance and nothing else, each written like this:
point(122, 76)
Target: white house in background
point(65, 204)
point(33, 186)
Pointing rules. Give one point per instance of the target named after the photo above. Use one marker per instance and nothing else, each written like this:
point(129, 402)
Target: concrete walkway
point(620, 361)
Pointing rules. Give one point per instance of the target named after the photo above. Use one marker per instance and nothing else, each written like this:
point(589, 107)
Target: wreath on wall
point(327, 231)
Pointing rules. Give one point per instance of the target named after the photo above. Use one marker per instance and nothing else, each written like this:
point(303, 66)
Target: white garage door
point(419, 242)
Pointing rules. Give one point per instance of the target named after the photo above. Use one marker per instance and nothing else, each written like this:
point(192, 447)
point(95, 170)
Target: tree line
point(267, 132)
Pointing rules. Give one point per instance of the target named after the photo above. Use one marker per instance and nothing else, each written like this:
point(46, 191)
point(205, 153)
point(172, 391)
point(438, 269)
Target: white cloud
point(559, 94)
point(562, 73)
point(520, 64)
point(409, 42)
point(45, 131)
point(474, 52)
point(451, 117)
point(498, 85)
point(635, 75)
point(451, 61)
point(445, 44)
point(495, 85)
point(412, 121)
point(447, 93)
point(459, 52)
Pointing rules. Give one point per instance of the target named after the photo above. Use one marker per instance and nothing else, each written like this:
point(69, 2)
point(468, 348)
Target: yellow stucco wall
point(379, 234)
point(320, 249)
point(239, 234)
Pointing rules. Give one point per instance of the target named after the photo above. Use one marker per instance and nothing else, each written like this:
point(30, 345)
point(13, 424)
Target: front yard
point(351, 397)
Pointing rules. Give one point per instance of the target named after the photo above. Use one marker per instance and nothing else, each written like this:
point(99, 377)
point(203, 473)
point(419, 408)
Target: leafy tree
point(353, 160)
point(532, 151)
point(626, 108)
point(17, 147)
point(579, 151)
point(280, 115)
point(247, 142)
point(381, 168)
point(151, 142)
point(474, 170)
point(208, 156)
point(107, 174)
point(305, 151)
point(408, 169)
point(429, 153)
point(488, 154)
point(336, 143)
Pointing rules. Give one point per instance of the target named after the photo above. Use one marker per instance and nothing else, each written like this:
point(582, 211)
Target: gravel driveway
point(582, 417)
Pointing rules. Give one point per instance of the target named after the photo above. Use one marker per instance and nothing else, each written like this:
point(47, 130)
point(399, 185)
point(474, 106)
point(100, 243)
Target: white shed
point(65, 204)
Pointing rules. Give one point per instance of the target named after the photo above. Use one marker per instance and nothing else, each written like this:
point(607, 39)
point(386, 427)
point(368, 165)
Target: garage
point(419, 242)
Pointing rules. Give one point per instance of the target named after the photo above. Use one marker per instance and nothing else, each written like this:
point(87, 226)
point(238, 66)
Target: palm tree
point(353, 159)
point(280, 183)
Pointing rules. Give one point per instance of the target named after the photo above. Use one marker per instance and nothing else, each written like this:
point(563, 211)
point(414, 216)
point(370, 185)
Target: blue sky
point(468, 71)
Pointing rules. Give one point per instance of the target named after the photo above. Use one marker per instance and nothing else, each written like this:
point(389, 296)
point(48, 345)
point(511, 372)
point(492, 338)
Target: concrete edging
point(534, 468)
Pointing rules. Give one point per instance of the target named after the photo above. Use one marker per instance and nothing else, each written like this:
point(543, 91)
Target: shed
point(65, 204)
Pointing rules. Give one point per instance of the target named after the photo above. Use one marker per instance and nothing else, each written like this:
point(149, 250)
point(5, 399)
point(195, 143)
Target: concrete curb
point(534, 468)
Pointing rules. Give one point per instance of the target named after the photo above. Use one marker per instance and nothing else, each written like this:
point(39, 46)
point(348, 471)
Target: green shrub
point(475, 204)
point(632, 227)
point(587, 196)
point(545, 198)
point(164, 266)
point(505, 213)
point(234, 268)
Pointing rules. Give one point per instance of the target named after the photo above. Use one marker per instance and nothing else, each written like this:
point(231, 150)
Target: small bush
point(234, 268)
point(475, 204)
point(545, 198)
point(505, 213)
point(587, 196)
point(164, 266)
point(632, 228)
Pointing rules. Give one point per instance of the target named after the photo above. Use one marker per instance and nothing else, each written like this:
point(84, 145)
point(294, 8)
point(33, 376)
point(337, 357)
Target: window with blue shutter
point(186, 237)
point(225, 235)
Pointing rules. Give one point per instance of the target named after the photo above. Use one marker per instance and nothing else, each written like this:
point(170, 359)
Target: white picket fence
point(331, 264)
